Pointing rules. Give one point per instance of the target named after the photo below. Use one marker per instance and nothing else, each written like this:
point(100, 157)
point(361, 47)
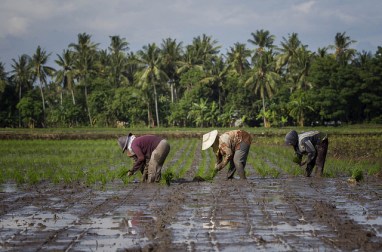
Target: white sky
point(54, 24)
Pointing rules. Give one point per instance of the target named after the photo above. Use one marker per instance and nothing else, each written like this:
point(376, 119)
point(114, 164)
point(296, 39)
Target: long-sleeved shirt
point(229, 142)
point(143, 147)
point(307, 143)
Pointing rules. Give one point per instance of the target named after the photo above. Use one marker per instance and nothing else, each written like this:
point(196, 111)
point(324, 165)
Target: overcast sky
point(54, 24)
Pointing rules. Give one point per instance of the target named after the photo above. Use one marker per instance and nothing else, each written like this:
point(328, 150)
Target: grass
point(67, 161)
point(97, 162)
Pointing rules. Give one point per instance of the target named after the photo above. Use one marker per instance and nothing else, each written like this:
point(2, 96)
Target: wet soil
point(283, 214)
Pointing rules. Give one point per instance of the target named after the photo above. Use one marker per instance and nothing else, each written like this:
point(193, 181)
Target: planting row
point(97, 162)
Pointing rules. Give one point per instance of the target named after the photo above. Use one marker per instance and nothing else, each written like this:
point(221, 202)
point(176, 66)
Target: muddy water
point(284, 214)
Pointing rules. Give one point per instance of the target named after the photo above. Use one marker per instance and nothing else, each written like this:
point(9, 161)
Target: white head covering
point(125, 143)
point(129, 142)
point(209, 139)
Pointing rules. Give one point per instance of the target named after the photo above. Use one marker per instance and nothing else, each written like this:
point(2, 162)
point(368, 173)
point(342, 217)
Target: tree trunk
point(302, 119)
point(19, 110)
point(172, 92)
point(87, 105)
point(74, 101)
point(264, 120)
point(148, 115)
point(156, 104)
point(43, 103)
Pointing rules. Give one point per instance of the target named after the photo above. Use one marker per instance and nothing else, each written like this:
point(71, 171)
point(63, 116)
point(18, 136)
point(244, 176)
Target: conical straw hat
point(209, 139)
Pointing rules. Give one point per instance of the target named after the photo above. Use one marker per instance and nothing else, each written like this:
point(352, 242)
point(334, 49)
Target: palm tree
point(41, 71)
point(263, 40)
point(21, 75)
point(298, 72)
point(263, 78)
point(205, 48)
point(341, 45)
point(190, 60)
point(288, 50)
point(85, 52)
point(132, 67)
point(363, 58)
point(238, 57)
point(171, 55)
point(67, 73)
point(217, 76)
point(102, 65)
point(152, 74)
point(117, 47)
point(322, 52)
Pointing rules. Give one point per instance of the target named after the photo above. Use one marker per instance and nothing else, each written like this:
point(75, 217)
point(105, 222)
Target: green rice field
point(99, 161)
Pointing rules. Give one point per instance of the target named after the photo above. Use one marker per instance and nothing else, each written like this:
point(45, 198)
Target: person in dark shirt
point(149, 153)
point(314, 144)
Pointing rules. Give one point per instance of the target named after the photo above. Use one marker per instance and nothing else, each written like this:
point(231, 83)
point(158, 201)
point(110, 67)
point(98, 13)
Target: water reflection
point(224, 224)
point(8, 188)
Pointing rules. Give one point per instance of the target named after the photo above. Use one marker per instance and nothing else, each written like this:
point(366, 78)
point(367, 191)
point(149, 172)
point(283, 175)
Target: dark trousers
point(322, 150)
point(319, 161)
point(239, 161)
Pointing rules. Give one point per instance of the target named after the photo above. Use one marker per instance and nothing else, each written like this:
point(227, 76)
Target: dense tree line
point(195, 85)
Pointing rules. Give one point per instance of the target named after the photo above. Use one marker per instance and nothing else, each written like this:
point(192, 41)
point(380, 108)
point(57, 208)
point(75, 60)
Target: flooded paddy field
point(273, 214)
point(78, 203)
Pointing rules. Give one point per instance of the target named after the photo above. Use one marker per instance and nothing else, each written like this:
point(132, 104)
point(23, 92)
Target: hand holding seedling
point(125, 172)
point(218, 167)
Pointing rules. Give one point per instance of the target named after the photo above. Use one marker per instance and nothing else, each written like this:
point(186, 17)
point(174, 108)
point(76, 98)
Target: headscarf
point(291, 138)
point(125, 143)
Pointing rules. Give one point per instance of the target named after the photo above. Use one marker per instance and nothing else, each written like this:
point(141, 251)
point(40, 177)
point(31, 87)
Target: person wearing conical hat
point(231, 147)
point(149, 153)
point(314, 144)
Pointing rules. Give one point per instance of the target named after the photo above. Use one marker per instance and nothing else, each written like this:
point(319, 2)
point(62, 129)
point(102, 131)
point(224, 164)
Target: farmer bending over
point(149, 153)
point(314, 144)
point(232, 146)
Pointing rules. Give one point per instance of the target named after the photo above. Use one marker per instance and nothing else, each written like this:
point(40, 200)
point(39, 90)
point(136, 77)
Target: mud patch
point(284, 214)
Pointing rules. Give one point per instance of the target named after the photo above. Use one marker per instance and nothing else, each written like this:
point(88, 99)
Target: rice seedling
point(97, 162)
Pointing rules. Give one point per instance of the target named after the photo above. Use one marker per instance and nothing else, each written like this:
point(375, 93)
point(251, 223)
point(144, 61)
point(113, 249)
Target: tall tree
point(262, 39)
point(190, 60)
point(171, 55)
point(65, 75)
point(41, 72)
point(21, 75)
point(118, 47)
point(263, 78)
point(205, 48)
point(217, 75)
point(298, 73)
point(288, 51)
point(237, 58)
point(152, 74)
point(85, 53)
point(342, 44)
